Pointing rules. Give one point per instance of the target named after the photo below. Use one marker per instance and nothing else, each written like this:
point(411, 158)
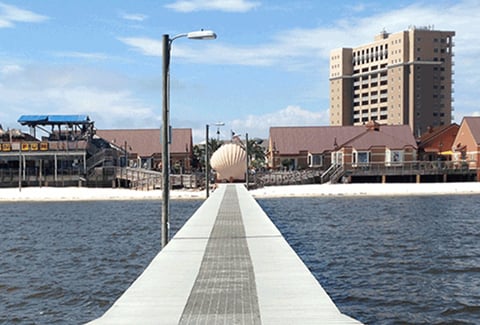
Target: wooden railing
point(409, 168)
point(145, 179)
point(335, 172)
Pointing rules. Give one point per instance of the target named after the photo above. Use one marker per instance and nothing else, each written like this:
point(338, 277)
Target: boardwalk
point(228, 265)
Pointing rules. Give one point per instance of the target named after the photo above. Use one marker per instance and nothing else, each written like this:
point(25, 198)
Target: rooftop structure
point(71, 126)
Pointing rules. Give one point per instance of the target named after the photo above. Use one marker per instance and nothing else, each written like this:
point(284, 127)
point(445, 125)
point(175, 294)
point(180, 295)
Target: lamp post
point(207, 155)
point(166, 49)
point(207, 165)
point(218, 125)
point(247, 160)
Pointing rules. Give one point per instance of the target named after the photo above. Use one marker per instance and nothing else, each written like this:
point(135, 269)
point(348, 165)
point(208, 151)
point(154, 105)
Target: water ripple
point(66, 263)
point(405, 260)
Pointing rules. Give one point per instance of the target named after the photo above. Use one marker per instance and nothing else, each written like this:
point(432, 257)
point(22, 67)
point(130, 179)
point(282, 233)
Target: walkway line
point(224, 291)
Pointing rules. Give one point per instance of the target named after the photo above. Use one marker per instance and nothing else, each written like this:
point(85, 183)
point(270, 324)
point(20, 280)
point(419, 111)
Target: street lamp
point(218, 125)
point(166, 48)
point(207, 166)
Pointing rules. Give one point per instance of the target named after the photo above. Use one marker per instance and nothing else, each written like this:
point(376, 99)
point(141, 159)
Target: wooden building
point(142, 147)
point(466, 147)
point(319, 147)
point(437, 143)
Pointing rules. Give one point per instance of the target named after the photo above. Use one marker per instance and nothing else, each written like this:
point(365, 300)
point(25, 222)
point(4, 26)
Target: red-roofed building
point(466, 147)
point(436, 143)
point(385, 145)
point(318, 147)
point(144, 148)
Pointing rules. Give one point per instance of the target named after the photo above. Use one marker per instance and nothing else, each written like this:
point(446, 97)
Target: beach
point(368, 189)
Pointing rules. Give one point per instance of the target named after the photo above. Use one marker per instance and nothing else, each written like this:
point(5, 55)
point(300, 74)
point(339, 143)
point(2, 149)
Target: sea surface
point(391, 260)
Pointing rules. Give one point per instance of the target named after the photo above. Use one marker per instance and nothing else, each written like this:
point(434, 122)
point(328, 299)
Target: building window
point(361, 158)
point(315, 160)
point(394, 157)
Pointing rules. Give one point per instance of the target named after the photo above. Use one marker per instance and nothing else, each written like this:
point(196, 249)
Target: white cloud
point(9, 15)
point(302, 48)
point(258, 125)
point(10, 69)
point(145, 45)
point(109, 99)
point(133, 17)
point(83, 55)
point(220, 5)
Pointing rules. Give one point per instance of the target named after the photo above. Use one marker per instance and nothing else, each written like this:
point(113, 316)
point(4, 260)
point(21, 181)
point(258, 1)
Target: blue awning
point(53, 119)
point(76, 119)
point(26, 119)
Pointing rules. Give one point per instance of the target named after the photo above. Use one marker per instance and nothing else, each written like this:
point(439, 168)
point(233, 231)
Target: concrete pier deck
point(228, 265)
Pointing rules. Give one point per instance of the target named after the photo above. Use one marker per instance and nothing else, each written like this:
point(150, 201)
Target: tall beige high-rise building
point(400, 78)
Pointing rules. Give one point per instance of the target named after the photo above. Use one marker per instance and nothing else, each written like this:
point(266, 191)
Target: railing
point(145, 179)
point(335, 172)
point(408, 168)
point(31, 176)
point(308, 176)
point(328, 173)
point(100, 157)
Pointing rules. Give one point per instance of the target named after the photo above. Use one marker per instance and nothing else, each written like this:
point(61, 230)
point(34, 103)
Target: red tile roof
point(314, 139)
point(320, 139)
point(435, 132)
point(390, 136)
point(146, 142)
point(473, 123)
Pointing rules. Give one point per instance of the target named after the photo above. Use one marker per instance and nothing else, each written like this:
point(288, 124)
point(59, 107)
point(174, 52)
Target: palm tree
point(199, 152)
point(257, 153)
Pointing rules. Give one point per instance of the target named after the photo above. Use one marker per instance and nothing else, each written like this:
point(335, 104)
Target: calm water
point(403, 260)
point(66, 263)
point(412, 260)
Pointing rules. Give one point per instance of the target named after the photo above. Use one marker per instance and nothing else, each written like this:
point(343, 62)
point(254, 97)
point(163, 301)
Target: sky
point(268, 66)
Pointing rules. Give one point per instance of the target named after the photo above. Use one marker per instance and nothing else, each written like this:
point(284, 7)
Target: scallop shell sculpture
point(229, 162)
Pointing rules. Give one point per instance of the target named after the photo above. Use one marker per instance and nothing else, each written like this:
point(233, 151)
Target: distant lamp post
point(247, 161)
point(207, 165)
point(166, 48)
point(218, 125)
point(207, 155)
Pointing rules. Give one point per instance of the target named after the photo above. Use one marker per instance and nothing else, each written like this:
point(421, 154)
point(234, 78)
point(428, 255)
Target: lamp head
point(202, 35)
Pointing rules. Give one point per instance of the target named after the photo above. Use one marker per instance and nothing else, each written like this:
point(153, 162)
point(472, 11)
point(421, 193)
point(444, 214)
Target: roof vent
point(372, 126)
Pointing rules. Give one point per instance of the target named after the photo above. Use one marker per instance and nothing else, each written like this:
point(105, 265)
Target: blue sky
point(268, 66)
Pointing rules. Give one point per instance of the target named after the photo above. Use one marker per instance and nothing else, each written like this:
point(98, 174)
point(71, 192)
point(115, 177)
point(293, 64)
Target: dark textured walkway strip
point(224, 291)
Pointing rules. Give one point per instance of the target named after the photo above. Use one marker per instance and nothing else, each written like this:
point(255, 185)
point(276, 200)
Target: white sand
point(369, 189)
point(86, 194)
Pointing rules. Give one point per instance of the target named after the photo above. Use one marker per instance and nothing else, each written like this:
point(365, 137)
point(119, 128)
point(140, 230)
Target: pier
point(229, 264)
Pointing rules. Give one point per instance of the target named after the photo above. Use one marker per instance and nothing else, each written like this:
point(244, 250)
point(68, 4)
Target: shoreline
point(370, 189)
point(35, 194)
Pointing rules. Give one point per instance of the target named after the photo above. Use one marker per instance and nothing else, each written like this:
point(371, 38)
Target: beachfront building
point(142, 148)
point(294, 148)
point(466, 146)
point(67, 150)
point(436, 144)
point(377, 150)
point(55, 152)
point(368, 153)
point(334, 150)
point(400, 78)
point(320, 146)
